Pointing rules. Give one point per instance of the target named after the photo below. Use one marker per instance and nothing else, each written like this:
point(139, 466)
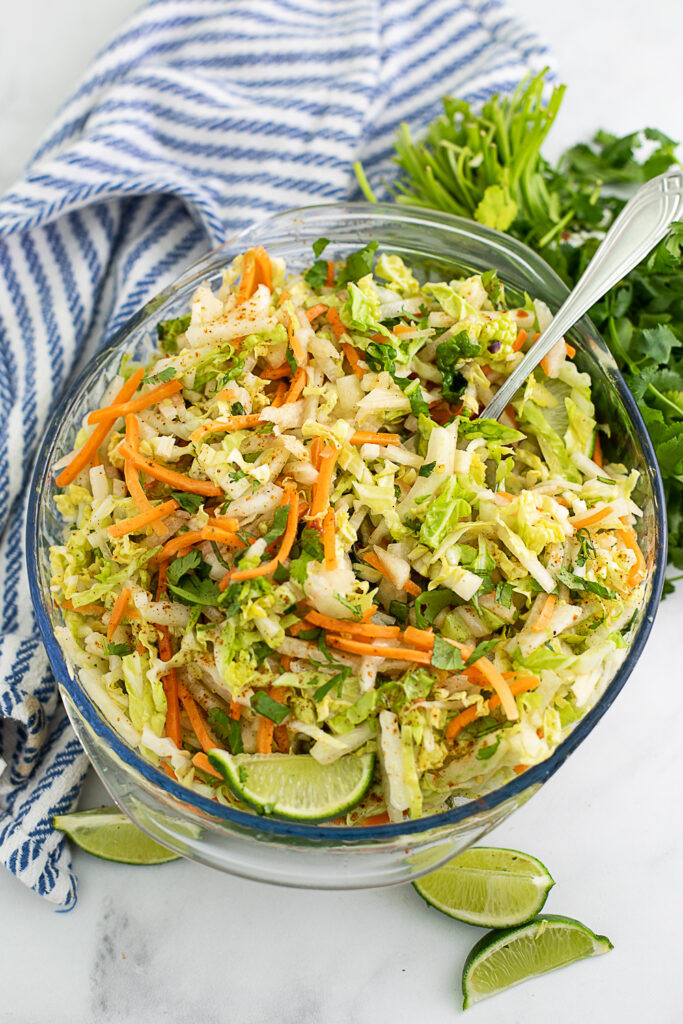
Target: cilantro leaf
point(316, 275)
point(449, 355)
point(351, 606)
point(336, 680)
point(278, 525)
point(481, 650)
point(119, 650)
point(178, 568)
point(399, 609)
point(319, 246)
point(226, 729)
point(357, 264)
point(427, 469)
point(503, 593)
point(429, 603)
point(264, 705)
point(446, 656)
point(189, 502)
point(578, 583)
point(586, 547)
point(161, 377)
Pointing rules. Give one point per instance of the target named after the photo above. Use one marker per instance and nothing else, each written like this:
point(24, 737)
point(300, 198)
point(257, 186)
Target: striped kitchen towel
point(200, 117)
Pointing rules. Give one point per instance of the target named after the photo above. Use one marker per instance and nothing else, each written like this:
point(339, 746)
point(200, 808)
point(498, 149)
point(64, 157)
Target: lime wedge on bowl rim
point(489, 887)
point(108, 833)
point(296, 787)
point(507, 957)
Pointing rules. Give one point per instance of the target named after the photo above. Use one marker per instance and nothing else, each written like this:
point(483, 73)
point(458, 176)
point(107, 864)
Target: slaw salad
point(289, 536)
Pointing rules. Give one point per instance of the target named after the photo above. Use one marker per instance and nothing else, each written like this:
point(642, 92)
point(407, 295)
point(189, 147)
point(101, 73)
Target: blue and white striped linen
point(199, 118)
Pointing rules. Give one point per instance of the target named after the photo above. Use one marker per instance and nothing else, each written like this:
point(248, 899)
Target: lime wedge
point(504, 958)
point(296, 786)
point(108, 833)
point(489, 887)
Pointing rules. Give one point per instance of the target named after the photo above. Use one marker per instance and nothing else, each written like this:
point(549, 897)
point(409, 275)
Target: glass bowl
point(327, 856)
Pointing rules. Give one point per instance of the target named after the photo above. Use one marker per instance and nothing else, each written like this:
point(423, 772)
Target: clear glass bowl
point(324, 856)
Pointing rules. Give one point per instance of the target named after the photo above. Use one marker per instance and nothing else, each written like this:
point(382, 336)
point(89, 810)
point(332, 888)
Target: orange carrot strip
point(286, 662)
point(138, 495)
point(334, 320)
point(367, 615)
point(196, 719)
point(133, 523)
point(264, 270)
point(89, 449)
point(118, 612)
point(597, 451)
point(315, 311)
point(546, 615)
point(329, 280)
point(519, 340)
point(316, 449)
point(298, 627)
point(280, 395)
point(191, 538)
point(264, 736)
point(176, 480)
point(230, 423)
point(235, 576)
point(329, 541)
point(354, 359)
point(370, 437)
point(321, 488)
point(377, 819)
point(469, 714)
point(495, 680)
point(362, 629)
point(235, 710)
point(412, 588)
point(248, 282)
point(291, 498)
point(136, 404)
point(638, 571)
point(422, 638)
point(297, 385)
point(276, 372)
point(569, 349)
point(378, 651)
point(591, 518)
point(201, 761)
point(87, 609)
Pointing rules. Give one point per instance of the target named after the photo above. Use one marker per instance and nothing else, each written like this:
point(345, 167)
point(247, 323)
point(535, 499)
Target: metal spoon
point(642, 223)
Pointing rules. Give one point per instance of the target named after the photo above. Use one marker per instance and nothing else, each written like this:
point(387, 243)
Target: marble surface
point(181, 943)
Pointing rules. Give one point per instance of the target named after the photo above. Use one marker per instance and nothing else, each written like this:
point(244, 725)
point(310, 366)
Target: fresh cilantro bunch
point(488, 166)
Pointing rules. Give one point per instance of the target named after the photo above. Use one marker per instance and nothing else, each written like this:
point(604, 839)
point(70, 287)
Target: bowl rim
point(534, 776)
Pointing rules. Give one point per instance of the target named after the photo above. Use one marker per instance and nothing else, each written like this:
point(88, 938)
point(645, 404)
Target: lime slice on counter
point(489, 887)
point(296, 786)
point(504, 958)
point(108, 833)
point(557, 416)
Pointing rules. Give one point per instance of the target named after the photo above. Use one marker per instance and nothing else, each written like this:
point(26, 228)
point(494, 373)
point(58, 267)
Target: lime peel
point(107, 833)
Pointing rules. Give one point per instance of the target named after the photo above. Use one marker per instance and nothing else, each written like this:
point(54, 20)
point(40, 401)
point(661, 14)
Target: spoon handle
point(642, 223)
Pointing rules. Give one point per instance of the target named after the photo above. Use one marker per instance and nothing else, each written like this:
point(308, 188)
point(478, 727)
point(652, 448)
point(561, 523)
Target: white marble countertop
point(181, 943)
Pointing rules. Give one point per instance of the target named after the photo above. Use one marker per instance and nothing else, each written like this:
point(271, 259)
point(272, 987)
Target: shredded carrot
point(321, 487)
point(230, 423)
point(201, 761)
point(362, 629)
point(132, 478)
point(519, 340)
point(152, 397)
point(185, 541)
point(256, 270)
point(235, 576)
point(597, 451)
point(86, 453)
point(569, 349)
point(496, 681)
point(281, 739)
point(315, 311)
point(536, 336)
point(329, 541)
point(291, 498)
point(329, 280)
point(87, 609)
point(376, 819)
point(543, 620)
point(133, 431)
point(378, 651)
point(226, 523)
point(276, 372)
point(298, 627)
point(334, 320)
point(266, 727)
point(354, 359)
point(375, 561)
point(286, 662)
point(118, 612)
point(639, 569)
point(133, 523)
point(367, 615)
point(519, 768)
point(280, 395)
point(294, 343)
point(235, 710)
point(422, 638)
point(316, 449)
point(370, 437)
point(469, 714)
point(403, 328)
point(176, 480)
point(196, 719)
point(591, 518)
point(297, 385)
